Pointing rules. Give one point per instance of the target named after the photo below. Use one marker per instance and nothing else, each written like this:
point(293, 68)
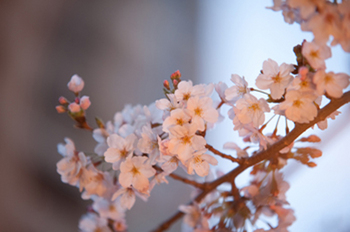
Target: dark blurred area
point(123, 50)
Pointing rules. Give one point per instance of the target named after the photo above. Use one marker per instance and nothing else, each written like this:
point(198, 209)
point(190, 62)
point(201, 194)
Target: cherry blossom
point(202, 111)
point(91, 222)
point(299, 107)
point(100, 135)
point(148, 143)
point(119, 149)
point(274, 77)
point(108, 209)
point(238, 90)
point(193, 216)
point(184, 141)
point(177, 117)
point(71, 168)
point(168, 104)
point(97, 183)
point(200, 163)
point(331, 83)
point(186, 90)
point(127, 197)
point(135, 172)
point(326, 22)
point(252, 110)
point(316, 55)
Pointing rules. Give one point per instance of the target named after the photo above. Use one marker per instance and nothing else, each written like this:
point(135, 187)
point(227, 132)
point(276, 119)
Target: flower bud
point(61, 109)
point(166, 85)
point(74, 107)
point(303, 71)
point(311, 164)
point(63, 100)
point(85, 102)
point(176, 75)
point(76, 84)
point(175, 83)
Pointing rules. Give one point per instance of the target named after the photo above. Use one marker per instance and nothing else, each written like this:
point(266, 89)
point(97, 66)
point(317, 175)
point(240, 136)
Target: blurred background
point(124, 50)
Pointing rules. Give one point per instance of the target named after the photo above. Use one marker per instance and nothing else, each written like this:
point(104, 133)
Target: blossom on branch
point(252, 110)
point(274, 77)
point(135, 172)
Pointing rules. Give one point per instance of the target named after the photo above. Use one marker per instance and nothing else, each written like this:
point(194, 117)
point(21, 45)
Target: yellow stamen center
point(179, 121)
point(112, 208)
point(254, 107)
point(304, 84)
point(187, 96)
point(186, 139)
point(297, 103)
point(135, 171)
point(197, 159)
point(198, 111)
point(314, 54)
point(328, 79)
point(277, 79)
point(123, 153)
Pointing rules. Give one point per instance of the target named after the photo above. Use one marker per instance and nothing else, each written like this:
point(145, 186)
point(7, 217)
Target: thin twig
point(187, 181)
point(216, 152)
point(183, 179)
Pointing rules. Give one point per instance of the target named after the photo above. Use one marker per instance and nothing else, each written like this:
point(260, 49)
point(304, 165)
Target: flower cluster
point(144, 145)
point(323, 18)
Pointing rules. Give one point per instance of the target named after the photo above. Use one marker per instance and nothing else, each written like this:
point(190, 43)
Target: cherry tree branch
point(216, 152)
point(323, 113)
point(182, 179)
point(187, 181)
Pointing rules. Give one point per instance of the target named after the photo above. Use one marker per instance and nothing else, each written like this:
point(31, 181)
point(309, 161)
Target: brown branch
point(332, 106)
point(183, 179)
point(187, 181)
point(216, 152)
point(165, 225)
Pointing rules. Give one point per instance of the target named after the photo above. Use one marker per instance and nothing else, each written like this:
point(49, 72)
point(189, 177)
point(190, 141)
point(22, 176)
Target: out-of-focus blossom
point(76, 84)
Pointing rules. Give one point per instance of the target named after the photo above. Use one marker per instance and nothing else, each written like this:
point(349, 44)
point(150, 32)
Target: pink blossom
point(92, 222)
point(274, 77)
point(202, 111)
point(76, 84)
point(331, 83)
point(135, 172)
point(184, 141)
point(252, 110)
point(299, 107)
point(85, 102)
point(200, 163)
point(119, 149)
point(238, 90)
point(316, 55)
point(74, 107)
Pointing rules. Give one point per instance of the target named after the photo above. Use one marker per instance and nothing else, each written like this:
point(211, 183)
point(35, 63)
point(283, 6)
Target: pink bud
point(63, 100)
point(166, 85)
point(175, 82)
point(76, 84)
point(85, 102)
point(176, 75)
point(74, 107)
point(61, 109)
point(303, 71)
